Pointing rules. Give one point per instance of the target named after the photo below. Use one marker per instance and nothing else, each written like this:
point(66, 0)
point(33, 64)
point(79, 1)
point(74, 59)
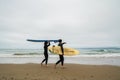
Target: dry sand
point(71, 72)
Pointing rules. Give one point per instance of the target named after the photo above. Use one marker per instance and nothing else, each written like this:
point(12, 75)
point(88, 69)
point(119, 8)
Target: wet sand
point(70, 72)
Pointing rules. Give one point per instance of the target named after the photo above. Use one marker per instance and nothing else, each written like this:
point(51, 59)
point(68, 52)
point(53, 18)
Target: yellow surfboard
point(67, 51)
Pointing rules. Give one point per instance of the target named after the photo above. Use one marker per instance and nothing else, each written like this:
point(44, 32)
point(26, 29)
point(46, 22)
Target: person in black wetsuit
point(46, 44)
point(61, 56)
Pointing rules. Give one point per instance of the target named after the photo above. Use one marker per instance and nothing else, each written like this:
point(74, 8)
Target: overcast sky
point(80, 23)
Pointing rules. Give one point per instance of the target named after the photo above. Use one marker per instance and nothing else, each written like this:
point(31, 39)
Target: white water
point(86, 56)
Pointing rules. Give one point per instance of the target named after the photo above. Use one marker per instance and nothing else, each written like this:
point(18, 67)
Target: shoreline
point(70, 72)
point(87, 60)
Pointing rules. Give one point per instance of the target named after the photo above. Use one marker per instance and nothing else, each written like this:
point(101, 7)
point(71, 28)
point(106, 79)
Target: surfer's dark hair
point(45, 42)
point(60, 40)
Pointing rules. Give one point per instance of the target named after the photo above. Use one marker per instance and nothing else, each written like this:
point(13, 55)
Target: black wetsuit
point(61, 56)
point(46, 53)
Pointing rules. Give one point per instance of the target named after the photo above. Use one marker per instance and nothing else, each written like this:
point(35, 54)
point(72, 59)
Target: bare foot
point(46, 65)
point(41, 64)
point(55, 66)
point(63, 67)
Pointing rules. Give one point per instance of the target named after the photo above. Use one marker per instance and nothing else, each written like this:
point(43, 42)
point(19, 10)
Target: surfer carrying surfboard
point(46, 44)
point(61, 56)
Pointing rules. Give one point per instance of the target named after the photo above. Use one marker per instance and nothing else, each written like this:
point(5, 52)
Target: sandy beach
point(70, 72)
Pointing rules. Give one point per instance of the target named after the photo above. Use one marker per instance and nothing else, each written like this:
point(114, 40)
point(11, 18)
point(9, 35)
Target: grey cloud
point(80, 22)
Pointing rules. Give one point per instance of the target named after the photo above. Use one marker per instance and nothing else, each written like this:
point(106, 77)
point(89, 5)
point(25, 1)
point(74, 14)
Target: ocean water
point(20, 52)
point(39, 52)
point(94, 56)
point(100, 51)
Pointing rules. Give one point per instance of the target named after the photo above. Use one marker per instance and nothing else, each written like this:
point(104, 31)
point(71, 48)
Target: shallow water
point(96, 56)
